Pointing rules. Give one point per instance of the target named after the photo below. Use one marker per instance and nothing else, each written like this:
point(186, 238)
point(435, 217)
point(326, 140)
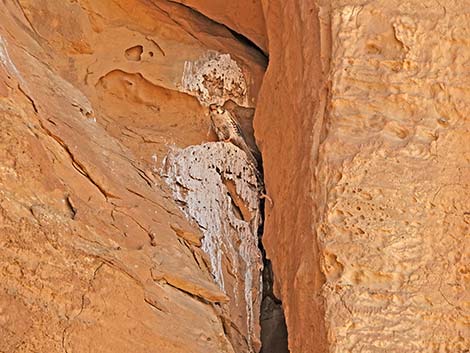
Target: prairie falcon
point(227, 129)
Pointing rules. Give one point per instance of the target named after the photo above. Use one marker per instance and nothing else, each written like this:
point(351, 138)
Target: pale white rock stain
point(196, 174)
point(215, 78)
point(8, 63)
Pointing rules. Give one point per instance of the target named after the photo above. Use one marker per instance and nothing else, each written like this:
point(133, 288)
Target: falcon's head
point(216, 108)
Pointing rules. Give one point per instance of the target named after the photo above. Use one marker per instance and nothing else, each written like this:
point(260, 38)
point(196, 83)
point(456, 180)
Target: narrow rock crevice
point(239, 36)
point(272, 319)
point(247, 41)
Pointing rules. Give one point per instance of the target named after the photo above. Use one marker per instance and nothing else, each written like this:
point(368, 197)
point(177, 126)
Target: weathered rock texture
point(395, 229)
point(218, 188)
point(368, 105)
point(363, 122)
point(95, 255)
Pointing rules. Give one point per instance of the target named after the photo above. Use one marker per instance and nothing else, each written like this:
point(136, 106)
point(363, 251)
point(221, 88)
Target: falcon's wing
point(236, 126)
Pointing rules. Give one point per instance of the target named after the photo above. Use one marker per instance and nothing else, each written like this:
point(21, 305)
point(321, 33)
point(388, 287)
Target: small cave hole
point(134, 53)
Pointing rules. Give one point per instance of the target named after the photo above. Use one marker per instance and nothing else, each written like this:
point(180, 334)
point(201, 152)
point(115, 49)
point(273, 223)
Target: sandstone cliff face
point(124, 226)
point(290, 111)
point(395, 230)
point(368, 103)
point(95, 253)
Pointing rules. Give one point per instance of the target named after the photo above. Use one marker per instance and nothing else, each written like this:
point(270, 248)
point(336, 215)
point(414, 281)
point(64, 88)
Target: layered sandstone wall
point(95, 253)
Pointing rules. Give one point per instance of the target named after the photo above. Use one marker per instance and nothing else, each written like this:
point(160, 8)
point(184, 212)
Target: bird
point(227, 129)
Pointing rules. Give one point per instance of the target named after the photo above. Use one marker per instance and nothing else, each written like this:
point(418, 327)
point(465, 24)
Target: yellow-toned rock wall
point(395, 228)
point(368, 103)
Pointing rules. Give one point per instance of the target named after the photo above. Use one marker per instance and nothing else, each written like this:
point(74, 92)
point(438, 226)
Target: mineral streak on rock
point(201, 177)
point(6, 61)
point(215, 78)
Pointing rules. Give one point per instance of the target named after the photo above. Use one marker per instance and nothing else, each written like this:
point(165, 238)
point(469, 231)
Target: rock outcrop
point(126, 227)
point(95, 253)
point(368, 236)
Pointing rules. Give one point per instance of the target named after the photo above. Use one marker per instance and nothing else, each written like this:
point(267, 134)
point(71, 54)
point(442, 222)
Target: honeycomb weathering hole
point(134, 53)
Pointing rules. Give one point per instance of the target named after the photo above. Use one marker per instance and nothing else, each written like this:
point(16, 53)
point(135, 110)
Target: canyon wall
point(96, 253)
point(125, 226)
point(290, 111)
point(368, 105)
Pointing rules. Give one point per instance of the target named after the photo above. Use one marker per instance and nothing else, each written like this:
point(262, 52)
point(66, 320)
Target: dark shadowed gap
point(247, 41)
point(272, 320)
point(240, 37)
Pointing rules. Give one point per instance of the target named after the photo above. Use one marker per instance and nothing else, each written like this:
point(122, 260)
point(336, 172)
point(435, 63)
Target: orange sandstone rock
point(94, 252)
point(363, 125)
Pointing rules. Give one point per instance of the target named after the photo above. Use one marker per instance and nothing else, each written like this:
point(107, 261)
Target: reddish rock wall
point(244, 17)
point(362, 120)
point(288, 125)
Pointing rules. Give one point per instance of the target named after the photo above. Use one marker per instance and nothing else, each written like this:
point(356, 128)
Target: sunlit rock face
point(394, 228)
point(95, 254)
point(368, 105)
point(111, 240)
